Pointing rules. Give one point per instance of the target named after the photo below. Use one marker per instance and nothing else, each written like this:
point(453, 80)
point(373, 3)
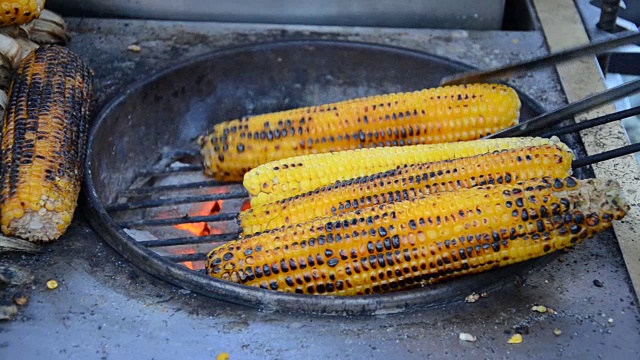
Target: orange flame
point(201, 228)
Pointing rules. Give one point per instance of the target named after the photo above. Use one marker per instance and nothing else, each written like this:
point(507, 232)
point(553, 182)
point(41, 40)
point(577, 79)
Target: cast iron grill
point(144, 182)
point(139, 208)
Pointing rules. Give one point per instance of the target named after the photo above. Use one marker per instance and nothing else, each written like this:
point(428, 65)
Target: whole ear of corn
point(446, 114)
point(419, 242)
point(290, 177)
point(44, 139)
point(409, 182)
point(19, 12)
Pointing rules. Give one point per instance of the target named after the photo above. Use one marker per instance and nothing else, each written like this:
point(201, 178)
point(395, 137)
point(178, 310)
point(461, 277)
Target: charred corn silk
point(44, 138)
point(18, 12)
point(446, 114)
point(422, 241)
point(289, 177)
point(409, 182)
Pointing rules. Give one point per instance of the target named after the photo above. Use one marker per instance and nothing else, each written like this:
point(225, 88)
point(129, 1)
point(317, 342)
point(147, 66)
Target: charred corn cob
point(19, 12)
point(419, 242)
point(410, 182)
point(289, 177)
point(446, 114)
point(44, 144)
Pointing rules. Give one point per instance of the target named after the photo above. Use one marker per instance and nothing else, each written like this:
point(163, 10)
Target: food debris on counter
point(515, 339)
point(467, 337)
point(539, 308)
point(222, 356)
point(473, 297)
point(21, 299)
point(52, 284)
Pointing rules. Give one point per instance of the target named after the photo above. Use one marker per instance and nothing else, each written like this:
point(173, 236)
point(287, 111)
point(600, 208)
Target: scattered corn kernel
point(52, 284)
point(134, 48)
point(515, 339)
point(610, 321)
point(539, 308)
point(222, 356)
point(557, 332)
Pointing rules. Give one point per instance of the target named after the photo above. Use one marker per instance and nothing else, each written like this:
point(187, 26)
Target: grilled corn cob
point(19, 12)
point(44, 144)
point(419, 242)
point(446, 114)
point(409, 182)
point(289, 177)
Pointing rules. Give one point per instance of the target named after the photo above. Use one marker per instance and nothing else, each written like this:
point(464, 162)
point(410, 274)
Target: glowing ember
point(201, 228)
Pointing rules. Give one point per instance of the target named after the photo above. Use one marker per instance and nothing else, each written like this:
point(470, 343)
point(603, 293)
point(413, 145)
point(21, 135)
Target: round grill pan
point(166, 111)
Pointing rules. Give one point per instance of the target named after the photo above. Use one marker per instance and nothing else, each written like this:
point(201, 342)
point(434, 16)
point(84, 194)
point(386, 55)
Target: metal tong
point(537, 125)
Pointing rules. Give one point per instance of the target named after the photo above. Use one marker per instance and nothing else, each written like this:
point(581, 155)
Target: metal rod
point(607, 155)
point(236, 194)
point(547, 60)
point(180, 220)
point(169, 188)
point(545, 121)
point(592, 122)
point(608, 15)
point(186, 257)
point(191, 240)
point(171, 170)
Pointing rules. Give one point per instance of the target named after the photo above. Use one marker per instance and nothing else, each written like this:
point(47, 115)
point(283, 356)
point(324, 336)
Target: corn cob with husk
point(411, 181)
point(446, 114)
point(422, 241)
point(44, 138)
point(24, 26)
point(294, 176)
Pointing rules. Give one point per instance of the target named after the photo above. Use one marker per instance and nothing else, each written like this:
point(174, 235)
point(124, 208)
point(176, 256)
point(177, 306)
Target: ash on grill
point(178, 212)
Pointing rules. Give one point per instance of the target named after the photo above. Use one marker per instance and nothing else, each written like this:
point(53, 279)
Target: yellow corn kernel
point(19, 12)
point(409, 182)
point(445, 114)
point(289, 177)
point(422, 241)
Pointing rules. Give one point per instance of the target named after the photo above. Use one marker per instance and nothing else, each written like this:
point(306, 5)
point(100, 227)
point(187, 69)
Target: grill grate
point(147, 210)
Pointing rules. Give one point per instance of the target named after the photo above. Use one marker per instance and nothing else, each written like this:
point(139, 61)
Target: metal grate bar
point(607, 155)
point(169, 188)
point(186, 257)
point(171, 170)
point(236, 194)
point(191, 240)
point(176, 221)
